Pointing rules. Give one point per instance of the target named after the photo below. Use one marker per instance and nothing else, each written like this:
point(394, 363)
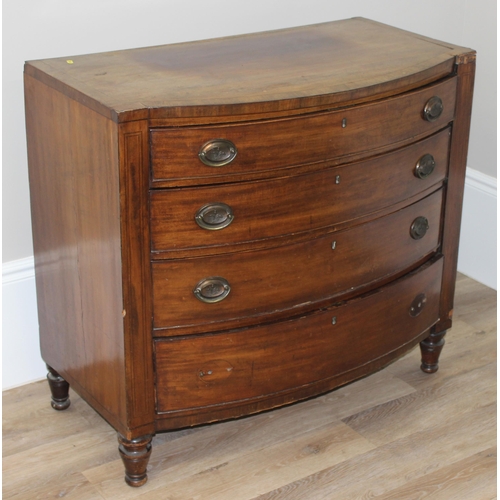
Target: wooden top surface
point(332, 63)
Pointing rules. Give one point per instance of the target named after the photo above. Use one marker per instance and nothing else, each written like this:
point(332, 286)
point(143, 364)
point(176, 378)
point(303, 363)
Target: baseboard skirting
point(481, 182)
point(21, 357)
point(21, 360)
point(477, 257)
point(18, 270)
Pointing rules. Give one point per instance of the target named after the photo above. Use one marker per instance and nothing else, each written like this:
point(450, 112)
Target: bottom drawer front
point(256, 363)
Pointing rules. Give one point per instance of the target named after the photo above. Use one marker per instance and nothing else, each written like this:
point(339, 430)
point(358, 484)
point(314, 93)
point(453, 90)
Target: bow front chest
point(227, 226)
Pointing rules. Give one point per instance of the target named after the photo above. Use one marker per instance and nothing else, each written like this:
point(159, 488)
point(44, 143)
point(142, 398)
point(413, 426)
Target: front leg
point(59, 389)
point(431, 348)
point(135, 455)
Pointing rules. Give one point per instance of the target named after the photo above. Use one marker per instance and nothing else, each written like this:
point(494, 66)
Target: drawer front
point(275, 144)
point(280, 357)
point(293, 277)
point(295, 204)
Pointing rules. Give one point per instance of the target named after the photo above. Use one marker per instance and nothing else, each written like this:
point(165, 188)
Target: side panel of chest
point(75, 203)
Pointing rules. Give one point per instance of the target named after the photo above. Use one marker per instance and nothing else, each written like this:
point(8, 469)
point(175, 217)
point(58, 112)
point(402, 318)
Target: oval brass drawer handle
point(425, 166)
point(433, 109)
point(419, 227)
point(214, 216)
point(217, 152)
point(212, 290)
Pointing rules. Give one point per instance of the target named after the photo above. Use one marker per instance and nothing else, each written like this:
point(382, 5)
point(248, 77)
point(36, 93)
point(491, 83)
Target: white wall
point(35, 29)
point(21, 359)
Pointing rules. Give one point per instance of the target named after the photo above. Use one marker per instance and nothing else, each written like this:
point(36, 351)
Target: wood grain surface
point(109, 179)
point(268, 284)
point(270, 71)
point(75, 206)
point(288, 142)
point(455, 190)
point(400, 434)
point(293, 204)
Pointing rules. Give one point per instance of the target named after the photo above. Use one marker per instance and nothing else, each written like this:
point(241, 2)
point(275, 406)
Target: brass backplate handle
point(217, 152)
point(425, 166)
point(433, 108)
point(214, 216)
point(212, 290)
point(419, 227)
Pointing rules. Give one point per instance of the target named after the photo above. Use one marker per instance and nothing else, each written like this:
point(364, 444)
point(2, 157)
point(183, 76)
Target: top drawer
point(179, 155)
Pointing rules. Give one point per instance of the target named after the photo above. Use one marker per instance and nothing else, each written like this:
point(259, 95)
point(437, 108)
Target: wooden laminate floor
point(398, 434)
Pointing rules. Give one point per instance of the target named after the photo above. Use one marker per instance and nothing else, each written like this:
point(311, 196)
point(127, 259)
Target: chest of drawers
point(227, 226)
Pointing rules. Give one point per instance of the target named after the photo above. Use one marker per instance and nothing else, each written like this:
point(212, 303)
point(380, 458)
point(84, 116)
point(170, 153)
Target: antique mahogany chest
point(227, 226)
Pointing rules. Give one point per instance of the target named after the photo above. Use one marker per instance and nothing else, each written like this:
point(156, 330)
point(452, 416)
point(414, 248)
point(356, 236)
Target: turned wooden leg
point(431, 348)
point(59, 389)
point(135, 455)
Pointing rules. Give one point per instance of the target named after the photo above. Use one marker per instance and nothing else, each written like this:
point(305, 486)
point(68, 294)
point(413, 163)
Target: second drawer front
point(294, 204)
point(271, 281)
point(260, 362)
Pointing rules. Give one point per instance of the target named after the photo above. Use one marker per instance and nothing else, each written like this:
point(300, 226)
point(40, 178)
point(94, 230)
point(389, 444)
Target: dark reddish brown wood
point(253, 364)
point(81, 212)
point(291, 205)
point(431, 348)
point(293, 141)
point(75, 207)
point(135, 455)
point(198, 416)
point(276, 282)
point(452, 211)
point(269, 72)
point(137, 309)
point(326, 278)
point(59, 389)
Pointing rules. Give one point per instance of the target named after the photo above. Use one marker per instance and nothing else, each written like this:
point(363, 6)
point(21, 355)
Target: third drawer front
point(240, 288)
point(262, 362)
